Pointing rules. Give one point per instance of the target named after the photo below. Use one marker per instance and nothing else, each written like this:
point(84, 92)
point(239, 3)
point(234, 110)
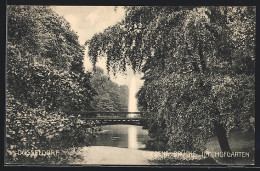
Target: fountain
point(132, 107)
point(132, 101)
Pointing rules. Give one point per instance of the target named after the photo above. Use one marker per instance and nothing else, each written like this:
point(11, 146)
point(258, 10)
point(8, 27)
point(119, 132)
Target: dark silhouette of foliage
point(45, 81)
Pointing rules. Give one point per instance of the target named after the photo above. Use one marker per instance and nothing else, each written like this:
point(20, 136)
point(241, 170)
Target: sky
point(89, 20)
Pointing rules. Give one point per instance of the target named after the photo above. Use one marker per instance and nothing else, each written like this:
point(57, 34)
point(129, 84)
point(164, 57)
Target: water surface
point(123, 136)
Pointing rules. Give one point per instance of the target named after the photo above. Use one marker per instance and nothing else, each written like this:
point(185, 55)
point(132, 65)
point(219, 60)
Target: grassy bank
point(239, 142)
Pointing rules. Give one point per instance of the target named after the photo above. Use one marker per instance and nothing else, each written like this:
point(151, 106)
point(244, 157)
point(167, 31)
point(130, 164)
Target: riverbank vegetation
point(199, 78)
point(199, 64)
point(110, 96)
point(46, 80)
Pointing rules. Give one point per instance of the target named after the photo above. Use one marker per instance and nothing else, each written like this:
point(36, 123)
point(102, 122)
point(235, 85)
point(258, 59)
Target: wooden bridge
point(112, 117)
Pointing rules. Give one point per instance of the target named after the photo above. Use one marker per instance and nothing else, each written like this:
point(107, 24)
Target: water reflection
point(124, 136)
point(132, 137)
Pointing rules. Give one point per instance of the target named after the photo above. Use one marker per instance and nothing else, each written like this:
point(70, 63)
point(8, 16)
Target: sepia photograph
point(130, 85)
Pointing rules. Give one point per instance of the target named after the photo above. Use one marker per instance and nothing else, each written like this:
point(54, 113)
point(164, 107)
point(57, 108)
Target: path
point(103, 155)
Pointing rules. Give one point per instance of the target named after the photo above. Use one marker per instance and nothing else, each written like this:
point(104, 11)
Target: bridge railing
point(107, 114)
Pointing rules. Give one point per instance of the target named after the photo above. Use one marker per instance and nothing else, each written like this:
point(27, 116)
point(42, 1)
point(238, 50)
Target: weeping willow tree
point(198, 65)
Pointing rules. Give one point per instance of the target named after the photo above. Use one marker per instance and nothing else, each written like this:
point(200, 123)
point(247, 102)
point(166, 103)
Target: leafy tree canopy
point(110, 96)
point(198, 62)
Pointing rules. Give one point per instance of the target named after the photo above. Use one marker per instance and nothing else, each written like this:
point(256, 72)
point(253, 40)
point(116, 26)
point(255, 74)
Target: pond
point(118, 144)
point(123, 136)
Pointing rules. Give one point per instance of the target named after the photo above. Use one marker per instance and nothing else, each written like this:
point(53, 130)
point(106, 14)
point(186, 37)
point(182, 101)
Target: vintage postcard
point(130, 85)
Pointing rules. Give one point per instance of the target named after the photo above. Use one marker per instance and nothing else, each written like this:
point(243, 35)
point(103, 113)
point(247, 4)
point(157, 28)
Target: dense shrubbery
point(36, 129)
point(45, 81)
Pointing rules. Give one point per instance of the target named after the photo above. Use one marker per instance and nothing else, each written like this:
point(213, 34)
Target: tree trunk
point(219, 129)
point(222, 137)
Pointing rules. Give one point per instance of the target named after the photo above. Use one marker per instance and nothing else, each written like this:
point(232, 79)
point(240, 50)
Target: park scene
point(130, 85)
